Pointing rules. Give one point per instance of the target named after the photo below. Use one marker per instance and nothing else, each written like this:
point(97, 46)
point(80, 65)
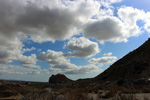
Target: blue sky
point(78, 38)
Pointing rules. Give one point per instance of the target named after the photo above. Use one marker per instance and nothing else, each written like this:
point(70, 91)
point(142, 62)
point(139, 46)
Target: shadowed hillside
point(134, 65)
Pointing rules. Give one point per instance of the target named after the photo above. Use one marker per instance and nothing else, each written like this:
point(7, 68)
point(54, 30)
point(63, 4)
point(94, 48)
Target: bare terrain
point(43, 91)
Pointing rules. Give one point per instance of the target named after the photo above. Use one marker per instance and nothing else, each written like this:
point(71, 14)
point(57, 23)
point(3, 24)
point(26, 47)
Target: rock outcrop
point(59, 79)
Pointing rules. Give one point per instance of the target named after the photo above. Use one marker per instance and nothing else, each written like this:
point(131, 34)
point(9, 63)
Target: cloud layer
point(60, 20)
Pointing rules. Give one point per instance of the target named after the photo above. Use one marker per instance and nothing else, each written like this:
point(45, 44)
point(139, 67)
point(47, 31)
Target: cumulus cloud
point(106, 29)
point(9, 49)
point(82, 47)
point(45, 20)
point(27, 59)
point(53, 57)
point(130, 15)
point(61, 64)
point(103, 60)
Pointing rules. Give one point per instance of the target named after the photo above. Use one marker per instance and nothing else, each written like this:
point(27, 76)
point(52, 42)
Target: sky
point(78, 38)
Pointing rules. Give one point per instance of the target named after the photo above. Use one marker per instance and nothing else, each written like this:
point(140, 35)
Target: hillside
point(135, 65)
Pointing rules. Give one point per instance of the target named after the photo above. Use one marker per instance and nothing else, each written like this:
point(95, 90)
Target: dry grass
point(77, 93)
point(74, 94)
point(12, 89)
point(109, 92)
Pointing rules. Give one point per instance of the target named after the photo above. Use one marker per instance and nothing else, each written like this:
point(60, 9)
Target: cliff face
point(134, 65)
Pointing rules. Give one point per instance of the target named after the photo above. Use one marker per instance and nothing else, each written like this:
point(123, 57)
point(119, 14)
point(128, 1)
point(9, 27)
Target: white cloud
point(117, 29)
point(106, 12)
point(56, 60)
point(108, 54)
point(28, 49)
point(147, 22)
point(103, 60)
point(27, 59)
point(9, 49)
point(82, 47)
point(130, 16)
point(106, 29)
point(61, 64)
point(53, 57)
point(107, 3)
point(45, 20)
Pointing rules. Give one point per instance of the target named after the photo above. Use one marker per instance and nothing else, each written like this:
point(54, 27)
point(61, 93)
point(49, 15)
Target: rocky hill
point(59, 78)
point(133, 66)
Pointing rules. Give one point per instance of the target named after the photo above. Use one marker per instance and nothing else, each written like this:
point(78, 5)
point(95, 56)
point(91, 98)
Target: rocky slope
point(133, 66)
